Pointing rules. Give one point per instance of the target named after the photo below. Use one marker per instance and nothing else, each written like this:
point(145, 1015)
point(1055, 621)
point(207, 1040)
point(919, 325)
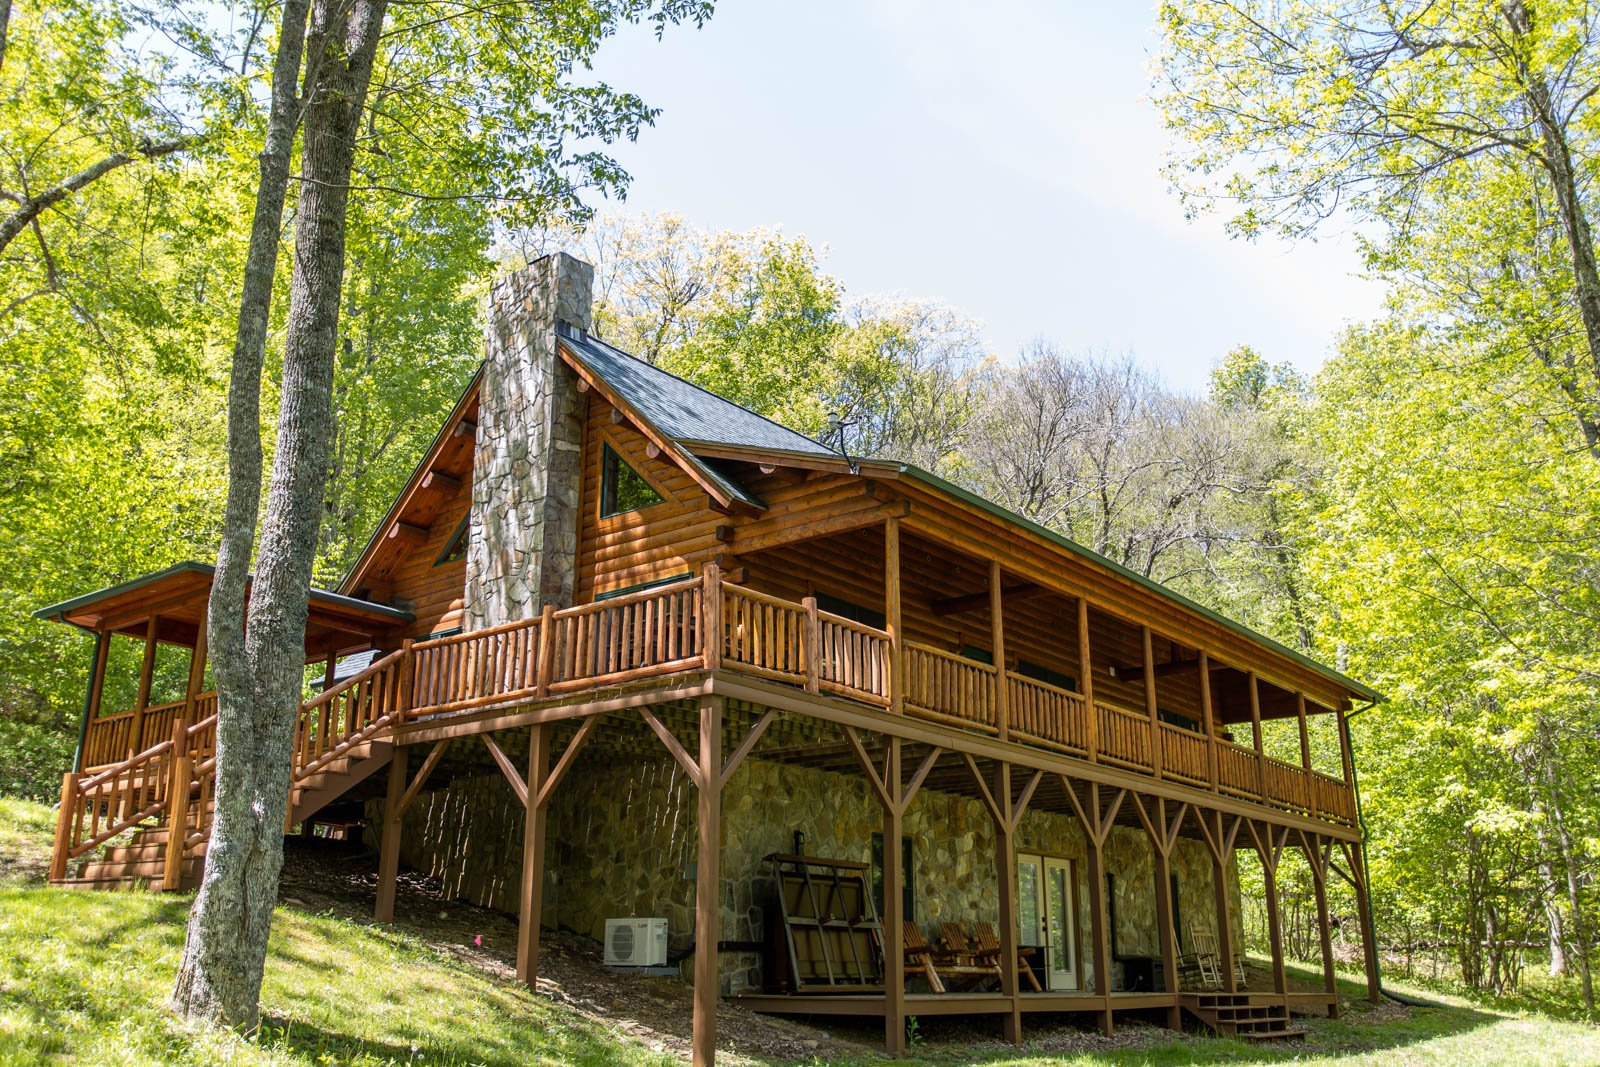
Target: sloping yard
point(84, 976)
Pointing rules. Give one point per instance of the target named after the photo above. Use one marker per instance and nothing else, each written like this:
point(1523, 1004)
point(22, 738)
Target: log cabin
point(624, 649)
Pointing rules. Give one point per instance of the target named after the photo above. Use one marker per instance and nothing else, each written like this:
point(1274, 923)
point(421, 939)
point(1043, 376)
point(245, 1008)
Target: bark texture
point(258, 667)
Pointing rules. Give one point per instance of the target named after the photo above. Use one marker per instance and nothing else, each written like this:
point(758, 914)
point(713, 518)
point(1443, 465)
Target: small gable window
point(455, 549)
point(622, 488)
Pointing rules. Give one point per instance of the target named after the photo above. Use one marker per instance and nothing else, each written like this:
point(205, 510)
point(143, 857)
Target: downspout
point(1361, 820)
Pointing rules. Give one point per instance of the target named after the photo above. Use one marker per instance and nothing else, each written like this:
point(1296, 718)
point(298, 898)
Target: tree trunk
point(259, 667)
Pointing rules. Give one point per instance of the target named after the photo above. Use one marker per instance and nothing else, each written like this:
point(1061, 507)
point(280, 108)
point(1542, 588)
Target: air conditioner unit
point(636, 943)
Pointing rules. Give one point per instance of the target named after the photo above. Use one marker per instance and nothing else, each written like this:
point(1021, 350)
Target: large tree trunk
point(259, 671)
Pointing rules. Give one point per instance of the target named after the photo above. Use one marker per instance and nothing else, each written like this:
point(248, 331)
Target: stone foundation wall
point(622, 842)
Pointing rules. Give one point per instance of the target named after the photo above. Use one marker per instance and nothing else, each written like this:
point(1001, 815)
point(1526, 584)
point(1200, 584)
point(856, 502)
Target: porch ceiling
point(178, 595)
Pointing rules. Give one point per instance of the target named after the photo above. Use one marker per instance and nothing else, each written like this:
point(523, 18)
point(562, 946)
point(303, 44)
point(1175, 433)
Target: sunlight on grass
point(26, 829)
point(84, 976)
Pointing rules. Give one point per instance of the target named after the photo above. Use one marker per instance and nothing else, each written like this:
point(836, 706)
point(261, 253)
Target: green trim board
point(190, 566)
point(642, 586)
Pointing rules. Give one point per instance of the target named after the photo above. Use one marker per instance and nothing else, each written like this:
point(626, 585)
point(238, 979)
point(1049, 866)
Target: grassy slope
point(84, 976)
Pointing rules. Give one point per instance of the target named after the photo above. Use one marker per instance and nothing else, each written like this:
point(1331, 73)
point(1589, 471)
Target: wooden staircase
point(1247, 1016)
point(116, 823)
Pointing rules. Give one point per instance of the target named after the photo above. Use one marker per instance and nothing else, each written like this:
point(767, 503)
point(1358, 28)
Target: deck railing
point(638, 636)
point(1047, 715)
point(944, 686)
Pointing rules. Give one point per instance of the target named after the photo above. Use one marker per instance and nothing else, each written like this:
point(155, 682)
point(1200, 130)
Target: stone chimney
point(523, 543)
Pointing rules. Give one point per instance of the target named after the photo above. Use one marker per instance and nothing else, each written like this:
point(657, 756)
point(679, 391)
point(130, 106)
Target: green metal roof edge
point(327, 596)
point(1359, 688)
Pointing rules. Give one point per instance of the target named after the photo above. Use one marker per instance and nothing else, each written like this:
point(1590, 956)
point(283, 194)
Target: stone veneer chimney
point(523, 542)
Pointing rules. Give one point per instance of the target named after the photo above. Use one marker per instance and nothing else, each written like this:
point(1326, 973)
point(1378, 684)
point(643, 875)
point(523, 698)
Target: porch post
point(142, 701)
point(1221, 857)
point(891, 615)
point(1005, 854)
point(1312, 843)
point(91, 695)
point(197, 668)
point(1208, 718)
point(1269, 879)
point(531, 904)
point(997, 643)
point(1305, 755)
point(389, 835)
point(1094, 857)
point(1086, 682)
point(1369, 931)
point(708, 897)
point(894, 954)
point(1255, 734)
point(1150, 703)
point(1166, 923)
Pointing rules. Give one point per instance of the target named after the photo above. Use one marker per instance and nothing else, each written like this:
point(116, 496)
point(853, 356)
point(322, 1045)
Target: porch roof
point(178, 594)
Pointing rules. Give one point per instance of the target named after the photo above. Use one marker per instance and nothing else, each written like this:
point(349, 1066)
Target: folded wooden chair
point(989, 951)
point(919, 956)
point(964, 959)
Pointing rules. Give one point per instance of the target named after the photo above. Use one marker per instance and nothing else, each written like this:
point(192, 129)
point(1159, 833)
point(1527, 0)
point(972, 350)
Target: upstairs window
point(455, 549)
point(1048, 676)
point(854, 612)
point(623, 489)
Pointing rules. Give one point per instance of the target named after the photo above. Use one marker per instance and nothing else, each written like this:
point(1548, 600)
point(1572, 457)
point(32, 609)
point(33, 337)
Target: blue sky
point(999, 158)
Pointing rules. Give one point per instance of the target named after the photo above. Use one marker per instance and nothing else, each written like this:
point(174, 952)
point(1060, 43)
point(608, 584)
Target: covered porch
point(149, 668)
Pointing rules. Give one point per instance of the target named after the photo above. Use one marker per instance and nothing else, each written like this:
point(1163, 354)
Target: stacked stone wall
point(622, 843)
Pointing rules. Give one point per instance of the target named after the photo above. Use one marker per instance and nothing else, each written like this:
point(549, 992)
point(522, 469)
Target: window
point(1172, 718)
point(908, 896)
point(854, 612)
point(455, 549)
point(625, 590)
point(977, 655)
point(1047, 676)
point(623, 489)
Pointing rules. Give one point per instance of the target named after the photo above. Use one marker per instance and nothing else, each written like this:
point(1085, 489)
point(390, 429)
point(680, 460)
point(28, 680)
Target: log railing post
point(1308, 785)
point(64, 818)
point(1002, 713)
point(1255, 736)
point(406, 683)
point(711, 635)
point(811, 645)
point(545, 668)
point(1209, 719)
point(1086, 682)
point(177, 805)
point(1150, 703)
point(892, 615)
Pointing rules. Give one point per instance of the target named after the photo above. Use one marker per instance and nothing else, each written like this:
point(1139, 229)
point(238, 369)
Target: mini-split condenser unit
point(636, 942)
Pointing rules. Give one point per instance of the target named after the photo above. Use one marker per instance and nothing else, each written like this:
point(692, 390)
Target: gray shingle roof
point(681, 410)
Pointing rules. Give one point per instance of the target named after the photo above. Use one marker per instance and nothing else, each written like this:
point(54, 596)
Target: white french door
point(1047, 918)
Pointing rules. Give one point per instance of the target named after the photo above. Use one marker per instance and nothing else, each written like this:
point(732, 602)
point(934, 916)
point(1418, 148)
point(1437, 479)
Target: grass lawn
point(84, 977)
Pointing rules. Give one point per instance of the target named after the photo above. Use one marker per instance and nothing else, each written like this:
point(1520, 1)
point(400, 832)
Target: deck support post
point(1097, 823)
point(389, 836)
point(1369, 932)
point(1163, 836)
point(708, 876)
point(1270, 850)
point(531, 901)
point(1311, 844)
point(1222, 855)
point(1005, 854)
point(894, 916)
